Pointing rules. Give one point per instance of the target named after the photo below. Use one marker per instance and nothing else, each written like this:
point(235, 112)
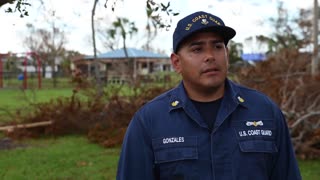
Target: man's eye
point(218, 45)
point(196, 49)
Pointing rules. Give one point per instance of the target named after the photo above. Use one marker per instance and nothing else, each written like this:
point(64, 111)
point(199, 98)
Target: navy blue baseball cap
point(200, 21)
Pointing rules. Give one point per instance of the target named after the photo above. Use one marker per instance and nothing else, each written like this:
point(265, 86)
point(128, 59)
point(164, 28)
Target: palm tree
point(123, 27)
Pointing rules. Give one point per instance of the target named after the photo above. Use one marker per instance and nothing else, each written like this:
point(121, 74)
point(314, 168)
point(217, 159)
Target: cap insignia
point(204, 21)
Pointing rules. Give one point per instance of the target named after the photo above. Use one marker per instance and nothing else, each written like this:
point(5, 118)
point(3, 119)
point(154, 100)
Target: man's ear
point(227, 57)
point(175, 61)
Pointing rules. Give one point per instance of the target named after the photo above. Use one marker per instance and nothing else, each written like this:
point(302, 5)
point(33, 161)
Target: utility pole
point(315, 58)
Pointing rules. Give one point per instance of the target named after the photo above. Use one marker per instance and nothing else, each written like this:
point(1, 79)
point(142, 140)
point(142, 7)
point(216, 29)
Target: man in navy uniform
point(208, 127)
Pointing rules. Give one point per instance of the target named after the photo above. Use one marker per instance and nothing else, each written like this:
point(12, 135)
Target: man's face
point(202, 60)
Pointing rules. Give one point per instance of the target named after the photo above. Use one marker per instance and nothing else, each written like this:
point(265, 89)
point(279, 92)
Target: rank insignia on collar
point(174, 103)
point(240, 99)
point(254, 123)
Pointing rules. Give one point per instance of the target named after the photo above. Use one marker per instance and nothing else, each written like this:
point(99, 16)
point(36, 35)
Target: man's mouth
point(210, 70)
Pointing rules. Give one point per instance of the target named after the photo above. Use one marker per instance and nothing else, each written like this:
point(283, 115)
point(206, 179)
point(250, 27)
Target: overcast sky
point(247, 17)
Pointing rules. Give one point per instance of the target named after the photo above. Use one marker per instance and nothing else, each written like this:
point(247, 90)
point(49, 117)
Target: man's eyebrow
point(196, 43)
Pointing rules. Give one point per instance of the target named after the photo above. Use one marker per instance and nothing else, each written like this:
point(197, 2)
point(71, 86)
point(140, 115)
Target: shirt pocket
point(254, 159)
point(170, 149)
point(254, 129)
point(257, 146)
point(176, 157)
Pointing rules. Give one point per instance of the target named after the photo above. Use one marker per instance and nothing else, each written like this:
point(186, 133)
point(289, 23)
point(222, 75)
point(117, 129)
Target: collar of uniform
point(233, 90)
point(178, 97)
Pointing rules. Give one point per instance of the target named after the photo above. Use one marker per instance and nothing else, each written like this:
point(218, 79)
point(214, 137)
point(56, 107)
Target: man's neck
point(205, 94)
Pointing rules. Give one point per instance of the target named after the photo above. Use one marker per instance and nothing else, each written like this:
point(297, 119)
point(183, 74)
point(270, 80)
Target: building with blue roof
point(116, 66)
point(254, 57)
point(132, 53)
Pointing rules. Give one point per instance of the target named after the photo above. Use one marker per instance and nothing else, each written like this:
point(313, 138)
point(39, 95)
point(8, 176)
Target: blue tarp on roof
point(254, 57)
point(132, 53)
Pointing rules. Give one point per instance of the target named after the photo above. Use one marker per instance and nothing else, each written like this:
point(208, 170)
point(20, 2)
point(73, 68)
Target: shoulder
point(254, 95)
point(157, 104)
point(258, 104)
point(256, 100)
point(161, 100)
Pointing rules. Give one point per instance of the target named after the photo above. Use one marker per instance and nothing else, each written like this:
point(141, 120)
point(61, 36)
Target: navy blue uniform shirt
point(168, 139)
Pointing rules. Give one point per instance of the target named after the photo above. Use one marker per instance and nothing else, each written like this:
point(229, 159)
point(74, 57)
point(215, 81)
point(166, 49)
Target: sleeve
point(136, 158)
point(285, 163)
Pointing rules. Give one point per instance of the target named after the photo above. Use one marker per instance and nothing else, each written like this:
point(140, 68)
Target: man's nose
point(209, 55)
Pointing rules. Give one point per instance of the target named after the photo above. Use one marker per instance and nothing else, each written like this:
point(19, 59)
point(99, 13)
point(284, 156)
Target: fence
point(33, 80)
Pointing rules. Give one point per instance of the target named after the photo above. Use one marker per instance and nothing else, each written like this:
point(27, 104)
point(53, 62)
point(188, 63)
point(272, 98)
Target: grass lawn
point(32, 82)
point(73, 157)
point(70, 157)
point(310, 170)
point(12, 100)
point(18, 98)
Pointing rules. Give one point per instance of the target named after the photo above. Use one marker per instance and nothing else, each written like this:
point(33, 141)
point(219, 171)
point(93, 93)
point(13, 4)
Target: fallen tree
point(286, 78)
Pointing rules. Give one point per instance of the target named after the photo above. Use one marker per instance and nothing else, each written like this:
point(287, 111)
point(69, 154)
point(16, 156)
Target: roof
point(254, 57)
point(132, 53)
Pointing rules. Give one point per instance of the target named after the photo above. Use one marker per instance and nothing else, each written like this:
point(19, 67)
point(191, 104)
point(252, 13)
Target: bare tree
point(285, 76)
point(153, 13)
point(289, 32)
point(95, 60)
point(49, 45)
